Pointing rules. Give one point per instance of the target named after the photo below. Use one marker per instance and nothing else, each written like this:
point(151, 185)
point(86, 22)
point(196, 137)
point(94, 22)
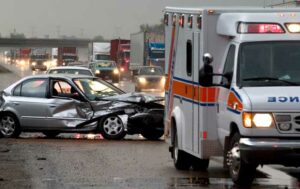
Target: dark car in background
point(150, 77)
point(106, 70)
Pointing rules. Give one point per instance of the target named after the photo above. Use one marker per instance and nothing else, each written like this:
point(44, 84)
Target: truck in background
point(99, 51)
point(66, 55)
point(39, 59)
point(120, 53)
point(23, 56)
point(147, 49)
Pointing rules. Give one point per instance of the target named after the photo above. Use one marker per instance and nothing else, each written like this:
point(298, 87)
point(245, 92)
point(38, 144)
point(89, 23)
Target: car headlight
point(142, 80)
point(97, 72)
point(259, 120)
point(45, 63)
point(116, 71)
point(163, 81)
point(33, 63)
point(122, 69)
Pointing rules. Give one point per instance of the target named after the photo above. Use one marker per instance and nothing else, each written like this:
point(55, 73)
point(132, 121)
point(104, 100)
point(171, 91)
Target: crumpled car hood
point(135, 98)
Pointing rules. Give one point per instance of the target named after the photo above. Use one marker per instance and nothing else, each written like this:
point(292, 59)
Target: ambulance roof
point(195, 10)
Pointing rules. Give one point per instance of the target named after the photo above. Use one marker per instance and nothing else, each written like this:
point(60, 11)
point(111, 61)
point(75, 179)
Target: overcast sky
point(88, 18)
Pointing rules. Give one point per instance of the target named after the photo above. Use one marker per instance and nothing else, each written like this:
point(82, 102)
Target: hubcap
point(113, 126)
point(7, 125)
point(233, 159)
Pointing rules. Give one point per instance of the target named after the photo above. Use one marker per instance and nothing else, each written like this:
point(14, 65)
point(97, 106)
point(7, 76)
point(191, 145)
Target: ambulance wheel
point(242, 173)
point(182, 160)
point(200, 164)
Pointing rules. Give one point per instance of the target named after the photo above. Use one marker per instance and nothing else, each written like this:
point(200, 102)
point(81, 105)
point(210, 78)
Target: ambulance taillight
point(260, 28)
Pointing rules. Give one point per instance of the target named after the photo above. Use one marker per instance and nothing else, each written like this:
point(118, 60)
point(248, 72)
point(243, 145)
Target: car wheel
point(152, 134)
point(9, 126)
point(200, 164)
point(112, 128)
point(50, 134)
point(182, 160)
point(242, 173)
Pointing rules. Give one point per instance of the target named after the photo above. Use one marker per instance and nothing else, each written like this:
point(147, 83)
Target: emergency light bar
point(174, 20)
point(190, 21)
point(181, 21)
point(293, 27)
point(260, 28)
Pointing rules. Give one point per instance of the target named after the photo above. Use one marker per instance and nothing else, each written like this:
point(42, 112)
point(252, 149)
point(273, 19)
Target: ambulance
point(232, 88)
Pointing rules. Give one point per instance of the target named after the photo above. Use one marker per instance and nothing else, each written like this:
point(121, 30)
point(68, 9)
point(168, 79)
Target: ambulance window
point(189, 57)
point(229, 63)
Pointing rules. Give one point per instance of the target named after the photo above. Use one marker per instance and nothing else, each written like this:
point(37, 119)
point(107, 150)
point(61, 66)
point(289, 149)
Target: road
point(88, 161)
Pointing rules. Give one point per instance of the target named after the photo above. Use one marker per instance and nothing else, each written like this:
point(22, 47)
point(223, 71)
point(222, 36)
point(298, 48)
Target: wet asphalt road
point(88, 161)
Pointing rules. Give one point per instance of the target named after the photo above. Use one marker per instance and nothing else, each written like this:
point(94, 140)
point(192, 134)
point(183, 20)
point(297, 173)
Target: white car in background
point(77, 70)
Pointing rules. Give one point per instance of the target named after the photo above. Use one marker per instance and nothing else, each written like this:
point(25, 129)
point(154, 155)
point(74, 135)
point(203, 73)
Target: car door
point(30, 103)
point(67, 107)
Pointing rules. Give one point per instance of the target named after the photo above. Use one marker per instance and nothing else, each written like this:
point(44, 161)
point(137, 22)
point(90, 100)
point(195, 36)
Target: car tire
point(242, 173)
point(200, 164)
point(9, 126)
point(152, 134)
point(182, 160)
point(50, 134)
point(112, 128)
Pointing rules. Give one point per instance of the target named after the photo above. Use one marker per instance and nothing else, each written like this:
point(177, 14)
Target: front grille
point(297, 120)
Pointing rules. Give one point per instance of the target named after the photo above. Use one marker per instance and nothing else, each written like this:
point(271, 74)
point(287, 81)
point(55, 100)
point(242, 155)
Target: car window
point(62, 88)
point(96, 89)
point(17, 91)
point(34, 88)
point(151, 71)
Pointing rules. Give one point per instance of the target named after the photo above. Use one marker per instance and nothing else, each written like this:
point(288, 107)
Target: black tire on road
point(200, 164)
point(152, 134)
point(50, 134)
point(9, 126)
point(242, 173)
point(112, 128)
point(182, 160)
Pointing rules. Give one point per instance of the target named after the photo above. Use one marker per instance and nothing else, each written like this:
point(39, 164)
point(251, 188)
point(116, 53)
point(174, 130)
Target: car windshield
point(102, 57)
point(151, 71)
point(269, 64)
point(105, 64)
point(96, 89)
point(71, 71)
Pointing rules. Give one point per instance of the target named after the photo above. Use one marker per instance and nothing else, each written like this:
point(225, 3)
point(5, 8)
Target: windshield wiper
point(270, 79)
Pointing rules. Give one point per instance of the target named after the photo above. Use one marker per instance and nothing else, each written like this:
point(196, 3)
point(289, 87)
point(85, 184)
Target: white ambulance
point(233, 88)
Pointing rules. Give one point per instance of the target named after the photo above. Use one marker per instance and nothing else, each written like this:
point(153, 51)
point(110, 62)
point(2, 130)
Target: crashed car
point(54, 104)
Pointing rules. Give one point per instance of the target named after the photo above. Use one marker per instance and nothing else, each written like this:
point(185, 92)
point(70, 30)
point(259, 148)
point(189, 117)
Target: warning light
point(190, 21)
point(260, 28)
point(181, 21)
point(166, 19)
point(174, 20)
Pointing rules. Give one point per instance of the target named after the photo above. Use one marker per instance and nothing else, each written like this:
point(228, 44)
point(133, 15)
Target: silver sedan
point(53, 104)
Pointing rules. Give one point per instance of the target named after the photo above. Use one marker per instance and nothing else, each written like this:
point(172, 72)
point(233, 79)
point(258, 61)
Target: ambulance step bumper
point(270, 151)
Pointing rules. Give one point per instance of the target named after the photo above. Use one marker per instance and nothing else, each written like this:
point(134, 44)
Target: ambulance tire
point(182, 160)
point(242, 173)
point(200, 164)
